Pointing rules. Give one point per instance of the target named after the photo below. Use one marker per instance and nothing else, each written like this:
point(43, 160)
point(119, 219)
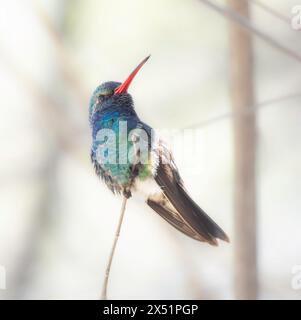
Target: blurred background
point(228, 101)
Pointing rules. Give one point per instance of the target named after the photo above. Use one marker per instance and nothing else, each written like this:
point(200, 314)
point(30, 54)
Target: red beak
point(125, 85)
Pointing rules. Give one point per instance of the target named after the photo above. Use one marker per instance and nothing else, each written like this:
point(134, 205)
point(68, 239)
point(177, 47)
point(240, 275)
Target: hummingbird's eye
point(104, 94)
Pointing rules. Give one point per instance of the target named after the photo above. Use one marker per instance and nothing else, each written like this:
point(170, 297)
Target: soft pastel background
point(57, 220)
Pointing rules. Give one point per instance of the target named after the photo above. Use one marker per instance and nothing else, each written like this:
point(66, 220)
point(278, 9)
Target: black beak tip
point(147, 58)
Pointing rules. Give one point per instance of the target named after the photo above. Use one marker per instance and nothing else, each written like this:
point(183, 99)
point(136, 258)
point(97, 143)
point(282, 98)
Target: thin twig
point(51, 108)
point(107, 274)
point(247, 25)
point(250, 110)
point(271, 11)
point(64, 58)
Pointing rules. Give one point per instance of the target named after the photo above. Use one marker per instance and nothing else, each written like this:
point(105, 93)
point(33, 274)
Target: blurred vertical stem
point(43, 223)
point(242, 96)
point(108, 269)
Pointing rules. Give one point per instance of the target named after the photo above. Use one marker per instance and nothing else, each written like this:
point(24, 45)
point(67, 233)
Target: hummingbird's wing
point(163, 207)
point(175, 205)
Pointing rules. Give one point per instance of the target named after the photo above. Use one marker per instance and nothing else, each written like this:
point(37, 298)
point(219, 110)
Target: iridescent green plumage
point(109, 114)
point(124, 155)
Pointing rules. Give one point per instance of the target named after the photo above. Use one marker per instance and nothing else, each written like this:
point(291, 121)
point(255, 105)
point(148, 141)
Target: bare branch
point(247, 25)
point(108, 269)
point(252, 109)
point(64, 59)
point(271, 11)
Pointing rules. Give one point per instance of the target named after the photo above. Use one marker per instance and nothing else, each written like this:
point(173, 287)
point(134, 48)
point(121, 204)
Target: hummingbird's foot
point(127, 193)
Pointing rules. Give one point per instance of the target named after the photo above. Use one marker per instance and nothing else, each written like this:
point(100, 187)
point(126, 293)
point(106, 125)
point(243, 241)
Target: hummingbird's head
point(102, 94)
point(113, 94)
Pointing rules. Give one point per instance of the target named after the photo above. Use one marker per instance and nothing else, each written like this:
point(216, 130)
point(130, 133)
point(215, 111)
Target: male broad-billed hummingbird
point(129, 158)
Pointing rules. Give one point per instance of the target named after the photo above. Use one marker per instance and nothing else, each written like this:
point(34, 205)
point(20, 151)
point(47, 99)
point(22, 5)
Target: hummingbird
point(130, 158)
